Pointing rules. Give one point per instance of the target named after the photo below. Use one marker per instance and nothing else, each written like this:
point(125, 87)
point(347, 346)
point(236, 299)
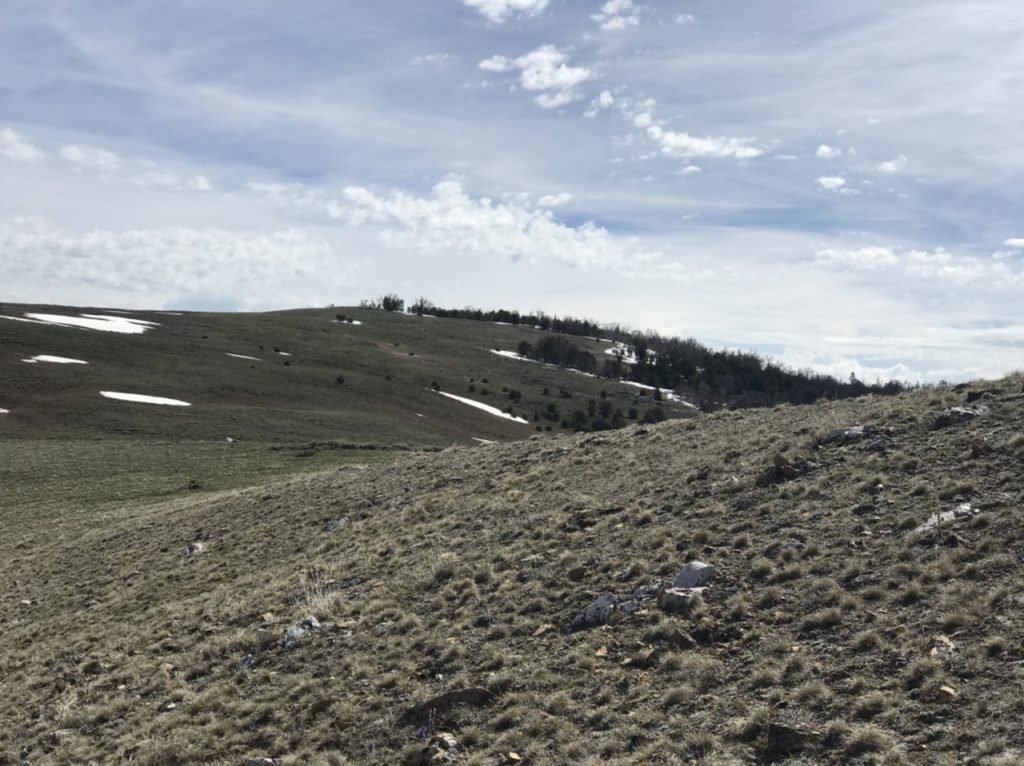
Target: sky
point(836, 185)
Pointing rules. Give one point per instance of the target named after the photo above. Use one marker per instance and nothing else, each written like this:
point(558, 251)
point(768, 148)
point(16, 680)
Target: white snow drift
point(482, 406)
point(243, 356)
point(53, 359)
point(95, 322)
point(144, 399)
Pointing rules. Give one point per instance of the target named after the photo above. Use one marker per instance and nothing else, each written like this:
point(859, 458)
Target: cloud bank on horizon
point(835, 186)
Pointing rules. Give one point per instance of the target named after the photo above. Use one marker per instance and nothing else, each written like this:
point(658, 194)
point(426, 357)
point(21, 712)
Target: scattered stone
point(262, 762)
point(300, 630)
point(957, 415)
point(193, 485)
point(680, 639)
point(648, 592)
point(879, 444)
point(643, 658)
point(247, 660)
point(442, 748)
point(267, 617)
point(936, 520)
point(679, 600)
point(947, 693)
point(696, 575)
point(474, 696)
point(628, 607)
point(849, 434)
point(543, 629)
point(335, 524)
point(598, 613)
point(602, 651)
point(785, 467)
point(194, 549)
point(783, 739)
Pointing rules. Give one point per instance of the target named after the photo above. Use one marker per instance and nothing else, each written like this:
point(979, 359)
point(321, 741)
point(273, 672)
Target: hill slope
point(830, 632)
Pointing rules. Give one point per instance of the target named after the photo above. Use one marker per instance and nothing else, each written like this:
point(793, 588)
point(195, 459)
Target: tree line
point(713, 377)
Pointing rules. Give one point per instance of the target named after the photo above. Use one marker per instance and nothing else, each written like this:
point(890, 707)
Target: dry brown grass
point(817, 642)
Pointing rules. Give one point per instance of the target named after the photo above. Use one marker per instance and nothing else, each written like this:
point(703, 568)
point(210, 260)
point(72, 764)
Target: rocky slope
point(844, 596)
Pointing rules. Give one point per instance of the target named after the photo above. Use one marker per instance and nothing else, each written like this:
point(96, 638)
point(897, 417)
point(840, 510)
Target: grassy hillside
point(250, 421)
point(831, 631)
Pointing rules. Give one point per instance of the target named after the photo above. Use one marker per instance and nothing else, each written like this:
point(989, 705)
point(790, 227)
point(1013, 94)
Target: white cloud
point(864, 258)
point(617, 14)
point(16, 148)
point(91, 158)
point(162, 179)
point(544, 69)
point(496, 64)
point(1015, 242)
point(827, 152)
point(432, 58)
point(162, 261)
point(686, 18)
point(686, 146)
point(643, 120)
point(554, 200)
point(831, 183)
point(937, 264)
point(689, 170)
point(606, 99)
point(893, 165)
point(499, 10)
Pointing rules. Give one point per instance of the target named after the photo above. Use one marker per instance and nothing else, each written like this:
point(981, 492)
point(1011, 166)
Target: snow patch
point(243, 356)
point(669, 395)
point(485, 407)
point(347, 321)
point(53, 359)
point(282, 353)
point(482, 441)
point(513, 355)
point(143, 398)
point(171, 313)
point(95, 322)
point(4, 412)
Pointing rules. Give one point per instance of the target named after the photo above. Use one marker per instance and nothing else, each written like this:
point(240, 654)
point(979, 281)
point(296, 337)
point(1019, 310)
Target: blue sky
point(835, 183)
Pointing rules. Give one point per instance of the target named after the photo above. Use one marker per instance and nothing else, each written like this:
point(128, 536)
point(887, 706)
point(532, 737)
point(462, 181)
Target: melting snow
point(143, 398)
point(282, 353)
point(4, 412)
point(484, 407)
point(96, 322)
point(54, 359)
point(347, 321)
point(482, 441)
point(252, 358)
point(513, 355)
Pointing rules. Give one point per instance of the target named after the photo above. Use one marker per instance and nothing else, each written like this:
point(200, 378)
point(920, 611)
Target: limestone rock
point(696, 575)
point(848, 434)
point(938, 520)
point(442, 748)
point(957, 415)
point(194, 549)
point(679, 600)
point(598, 613)
point(300, 630)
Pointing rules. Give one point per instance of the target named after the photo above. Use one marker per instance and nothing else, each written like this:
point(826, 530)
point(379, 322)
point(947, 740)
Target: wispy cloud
point(686, 146)
point(91, 158)
point(617, 14)
point(500, 10)
point(893, 166)
point(17, 149)
point(827, 152)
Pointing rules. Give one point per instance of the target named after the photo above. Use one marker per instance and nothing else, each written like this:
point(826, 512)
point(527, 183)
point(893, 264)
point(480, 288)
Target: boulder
point(335, 524)
point(848, 434)
point(679, 600)
point(598, 613)
point(696, 575)
point(938, 520)
point(194, 549)
point(300, 630)
point(442, 748)
point(956, 415)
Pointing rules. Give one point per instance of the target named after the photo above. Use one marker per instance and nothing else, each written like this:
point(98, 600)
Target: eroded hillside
point(833, 630)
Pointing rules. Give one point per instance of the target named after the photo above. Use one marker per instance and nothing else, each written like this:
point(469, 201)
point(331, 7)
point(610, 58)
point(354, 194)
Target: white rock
point(696, 575)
